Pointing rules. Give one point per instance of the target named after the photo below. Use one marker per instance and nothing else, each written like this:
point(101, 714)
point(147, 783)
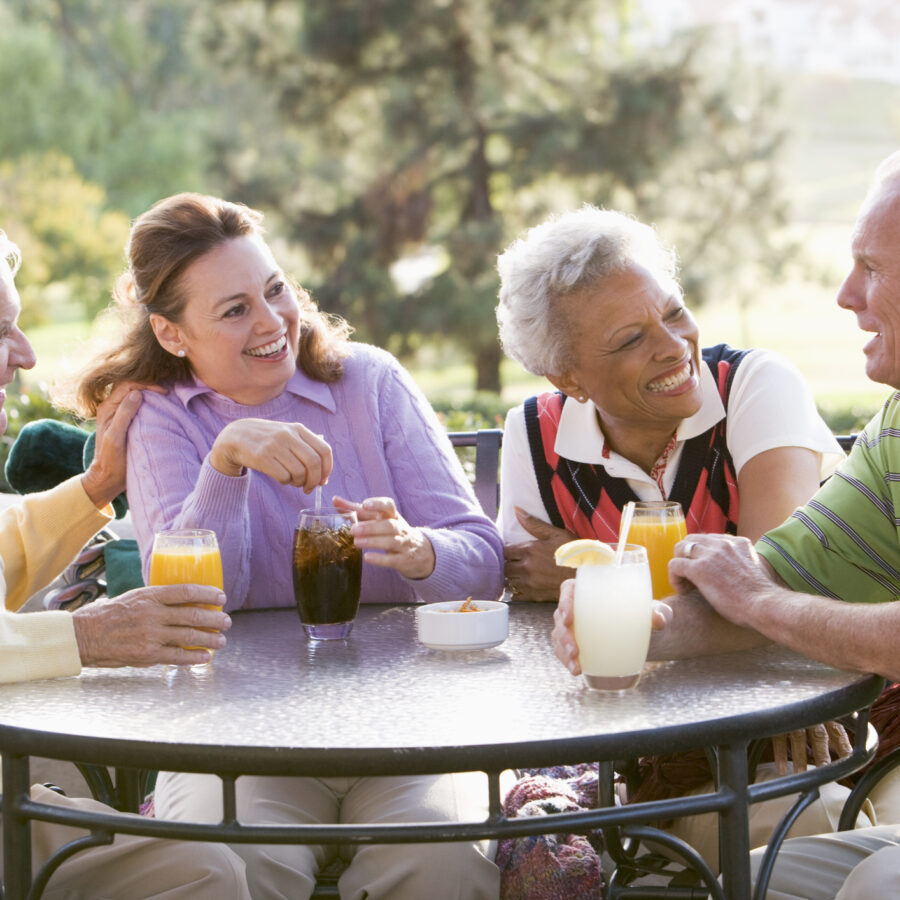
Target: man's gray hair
point(10, 253)
point(565, 255)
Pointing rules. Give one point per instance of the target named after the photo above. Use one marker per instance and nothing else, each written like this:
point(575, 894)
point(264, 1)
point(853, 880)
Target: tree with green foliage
point(393, 130)
point(104, 112)
point(67, 235)
point(112, 86)
point(399, 145)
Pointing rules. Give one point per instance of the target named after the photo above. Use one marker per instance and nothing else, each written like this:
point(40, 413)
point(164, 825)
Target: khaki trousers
point(702, 832)
point(850, 865)
point(132, 867)
point(447, 871)
point(885, 799)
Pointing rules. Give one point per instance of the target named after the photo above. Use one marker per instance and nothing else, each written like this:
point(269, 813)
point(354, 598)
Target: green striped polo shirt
point(845, 543)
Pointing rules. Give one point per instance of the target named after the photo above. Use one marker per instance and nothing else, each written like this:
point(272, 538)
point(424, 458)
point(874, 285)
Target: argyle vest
point(586, 500)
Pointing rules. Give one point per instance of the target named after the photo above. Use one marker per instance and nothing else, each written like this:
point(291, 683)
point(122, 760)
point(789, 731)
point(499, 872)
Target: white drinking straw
point(624, 525)
point(317, 497)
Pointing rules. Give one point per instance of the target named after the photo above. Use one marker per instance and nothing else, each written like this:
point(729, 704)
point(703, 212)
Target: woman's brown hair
point(164, 241)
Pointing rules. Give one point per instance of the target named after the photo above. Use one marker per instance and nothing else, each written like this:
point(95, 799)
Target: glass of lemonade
point(327, 568)
point(658, 525)
point(613, 607)
point(186, 556)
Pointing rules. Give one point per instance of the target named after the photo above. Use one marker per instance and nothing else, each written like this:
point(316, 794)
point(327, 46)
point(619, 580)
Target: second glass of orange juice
point(658, 525)
point(186, 556)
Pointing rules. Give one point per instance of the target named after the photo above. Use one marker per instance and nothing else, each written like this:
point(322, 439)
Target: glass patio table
point(381, 703)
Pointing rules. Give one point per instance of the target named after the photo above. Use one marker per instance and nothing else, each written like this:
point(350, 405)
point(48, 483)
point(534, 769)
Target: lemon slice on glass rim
point(584, 552)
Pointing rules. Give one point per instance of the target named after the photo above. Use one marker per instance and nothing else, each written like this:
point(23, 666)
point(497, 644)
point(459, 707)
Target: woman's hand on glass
point(387, 539)
point(564, 645)
point(286, 451)
point(563, 635)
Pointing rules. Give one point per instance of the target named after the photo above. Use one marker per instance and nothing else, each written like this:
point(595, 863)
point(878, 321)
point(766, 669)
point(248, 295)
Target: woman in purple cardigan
point(267, 399)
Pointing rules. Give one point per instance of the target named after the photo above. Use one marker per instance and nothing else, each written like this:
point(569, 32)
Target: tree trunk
point(487, 368)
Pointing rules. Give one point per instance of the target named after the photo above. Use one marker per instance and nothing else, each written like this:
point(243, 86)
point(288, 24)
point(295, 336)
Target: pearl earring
point(181, 353)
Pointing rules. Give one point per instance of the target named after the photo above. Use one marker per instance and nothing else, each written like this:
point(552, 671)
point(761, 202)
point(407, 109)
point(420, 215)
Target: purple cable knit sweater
point(386, 441)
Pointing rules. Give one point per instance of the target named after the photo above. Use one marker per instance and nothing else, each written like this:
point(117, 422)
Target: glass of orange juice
point(658, 525)
point(186, 556)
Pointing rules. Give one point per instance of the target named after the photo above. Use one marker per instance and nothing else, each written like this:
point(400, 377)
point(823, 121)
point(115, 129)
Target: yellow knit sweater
point(39, 537)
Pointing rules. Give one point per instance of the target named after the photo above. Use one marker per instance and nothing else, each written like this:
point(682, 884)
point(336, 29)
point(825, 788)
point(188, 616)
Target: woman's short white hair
point(565, 255)
point(10, 253)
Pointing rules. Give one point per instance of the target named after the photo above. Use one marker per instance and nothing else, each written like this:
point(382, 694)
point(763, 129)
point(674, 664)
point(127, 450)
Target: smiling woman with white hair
point(641, 411)
point(591, 301)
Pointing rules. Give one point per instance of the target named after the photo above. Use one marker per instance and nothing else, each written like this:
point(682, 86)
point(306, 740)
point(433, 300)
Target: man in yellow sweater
point(38, 539)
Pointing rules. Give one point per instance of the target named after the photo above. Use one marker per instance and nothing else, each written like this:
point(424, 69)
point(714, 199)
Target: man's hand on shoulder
point(104, 478)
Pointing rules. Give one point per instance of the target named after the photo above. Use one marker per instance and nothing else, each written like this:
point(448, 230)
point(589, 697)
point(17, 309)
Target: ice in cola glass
point(327, 569)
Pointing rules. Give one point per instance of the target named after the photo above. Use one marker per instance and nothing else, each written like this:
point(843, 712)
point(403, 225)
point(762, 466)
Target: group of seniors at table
point(259, 398)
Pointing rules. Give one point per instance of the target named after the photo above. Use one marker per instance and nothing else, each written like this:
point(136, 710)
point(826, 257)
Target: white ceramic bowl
point(442, 627)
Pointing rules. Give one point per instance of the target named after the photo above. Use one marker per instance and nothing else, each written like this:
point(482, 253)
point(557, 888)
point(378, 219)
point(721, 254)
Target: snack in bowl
point(468, 605)
point(485, 624)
